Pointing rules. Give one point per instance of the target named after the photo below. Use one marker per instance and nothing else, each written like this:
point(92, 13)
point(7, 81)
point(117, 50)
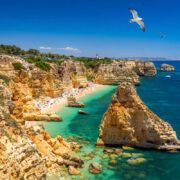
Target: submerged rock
point(112, 162)
point(126, 155)
point(77, 161)
point(166, 67)
point(113, 156)
point(136, 161)
point(73, 171)
point(127, 148)
point(108, 151)
point(91, 155)
point(95, 168)
point(118, 152)
point(105, 156)
point(129, 122)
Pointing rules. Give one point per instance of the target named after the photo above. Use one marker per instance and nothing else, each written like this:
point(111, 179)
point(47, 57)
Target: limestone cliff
point(166, 67)
point(31, 82)
point(28, 152)
point(122, 71)
point(145, 68)
point(73, 72)
point(19, 157)
point(129, 122)
point(116, 73)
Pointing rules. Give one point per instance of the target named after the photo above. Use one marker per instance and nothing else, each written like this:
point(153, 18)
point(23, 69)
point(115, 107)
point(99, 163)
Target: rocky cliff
point(123, 71)
point(28, 152)
point(19, 157)
point(73, 72)
point(129, 122)
point(116, 73)
point(145, 68)
point(30, 83)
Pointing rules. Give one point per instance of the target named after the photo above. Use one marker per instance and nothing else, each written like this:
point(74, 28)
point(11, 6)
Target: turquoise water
point(160, 94)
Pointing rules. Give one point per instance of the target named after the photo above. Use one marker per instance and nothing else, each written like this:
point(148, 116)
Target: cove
point(160, 94)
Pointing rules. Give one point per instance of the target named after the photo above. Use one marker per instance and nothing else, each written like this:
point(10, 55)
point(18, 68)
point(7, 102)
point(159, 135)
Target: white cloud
point(70, 49)
point(46, 48)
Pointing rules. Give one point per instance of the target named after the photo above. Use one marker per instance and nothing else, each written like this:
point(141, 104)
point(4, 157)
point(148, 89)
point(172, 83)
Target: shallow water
point(160, 94)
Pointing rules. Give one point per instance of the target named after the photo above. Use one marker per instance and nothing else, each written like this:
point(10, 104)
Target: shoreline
point(61, 103)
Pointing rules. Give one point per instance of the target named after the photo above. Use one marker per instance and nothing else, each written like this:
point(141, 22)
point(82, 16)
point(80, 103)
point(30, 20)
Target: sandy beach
point(53, 105)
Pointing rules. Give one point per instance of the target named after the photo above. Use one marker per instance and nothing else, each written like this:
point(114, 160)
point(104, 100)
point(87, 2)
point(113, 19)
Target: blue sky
point(87, 27)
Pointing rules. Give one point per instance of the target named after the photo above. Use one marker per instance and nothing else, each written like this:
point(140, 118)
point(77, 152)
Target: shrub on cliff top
point(17, 66)
point(39, 62)
point(93, 62)
point(43, 66)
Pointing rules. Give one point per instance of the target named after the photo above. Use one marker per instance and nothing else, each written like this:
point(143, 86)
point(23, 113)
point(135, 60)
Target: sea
point(161, 94)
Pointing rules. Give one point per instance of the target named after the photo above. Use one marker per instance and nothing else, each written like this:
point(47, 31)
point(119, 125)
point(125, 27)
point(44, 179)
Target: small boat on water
point(168, 76)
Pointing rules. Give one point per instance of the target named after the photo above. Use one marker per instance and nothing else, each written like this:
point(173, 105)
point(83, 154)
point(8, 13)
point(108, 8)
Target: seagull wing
point(134, 13)
point(141, 24)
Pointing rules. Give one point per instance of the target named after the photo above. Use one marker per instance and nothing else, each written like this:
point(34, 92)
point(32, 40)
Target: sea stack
point(129, 122)
point(145, 68)
point(166, 67)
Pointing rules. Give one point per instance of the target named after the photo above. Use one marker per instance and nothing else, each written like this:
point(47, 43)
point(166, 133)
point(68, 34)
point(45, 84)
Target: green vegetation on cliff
point(42, 60)
point(93, 62)
point(5, 79)
point(11, 50)
point(17, 51)
point(17, 66)
point(39, 62)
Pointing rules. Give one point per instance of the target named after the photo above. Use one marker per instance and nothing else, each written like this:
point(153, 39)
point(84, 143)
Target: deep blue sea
point(161, 94)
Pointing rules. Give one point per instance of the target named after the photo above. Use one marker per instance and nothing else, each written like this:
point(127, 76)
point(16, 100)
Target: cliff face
point(28, 152)
point(144, 68)
point(74, 73)
point(129, 122)
point(19, 157)
point(31, 82)
point(116, 73)
point(166, 67)
point(123, 71)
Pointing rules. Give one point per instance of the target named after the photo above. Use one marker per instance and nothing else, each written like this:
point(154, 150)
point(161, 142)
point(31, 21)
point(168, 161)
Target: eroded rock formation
point(166, 67)
point(28, 152)
point(31, 82)
point(129, 122)
point(145, 68)
point(116, 73)
point(122, 71)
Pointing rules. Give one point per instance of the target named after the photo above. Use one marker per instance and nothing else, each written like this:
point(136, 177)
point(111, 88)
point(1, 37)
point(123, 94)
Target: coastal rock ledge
point(129, 122)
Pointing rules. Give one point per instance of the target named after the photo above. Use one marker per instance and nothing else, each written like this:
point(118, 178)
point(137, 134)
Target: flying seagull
point(137, 19)
point(162, 35)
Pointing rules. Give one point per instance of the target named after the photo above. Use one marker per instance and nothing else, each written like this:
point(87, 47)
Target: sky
point(87, 27)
